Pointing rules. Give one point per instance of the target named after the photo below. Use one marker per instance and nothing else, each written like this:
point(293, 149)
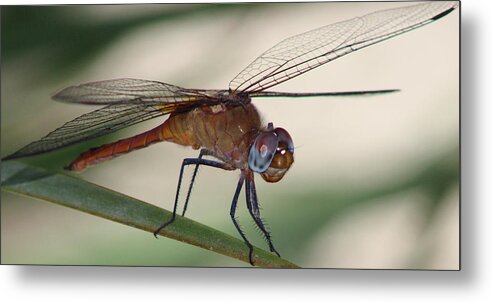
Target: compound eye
point(283, 158)
point(262, 151)
point(284, 139)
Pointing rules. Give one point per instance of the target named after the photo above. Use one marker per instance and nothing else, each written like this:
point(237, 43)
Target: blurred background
point(375, 183)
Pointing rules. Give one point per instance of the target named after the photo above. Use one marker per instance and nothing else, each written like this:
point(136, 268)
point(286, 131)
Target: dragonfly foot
point(275, 252)
point(156, 232)
point(251, 261)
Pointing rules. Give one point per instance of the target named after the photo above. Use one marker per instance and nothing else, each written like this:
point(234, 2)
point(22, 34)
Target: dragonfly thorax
point(234, 98)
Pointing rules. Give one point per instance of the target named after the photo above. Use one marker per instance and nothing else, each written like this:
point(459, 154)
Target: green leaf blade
point(78, 194)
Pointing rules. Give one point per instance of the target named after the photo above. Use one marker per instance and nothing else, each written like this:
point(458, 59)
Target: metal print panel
point(306, 135)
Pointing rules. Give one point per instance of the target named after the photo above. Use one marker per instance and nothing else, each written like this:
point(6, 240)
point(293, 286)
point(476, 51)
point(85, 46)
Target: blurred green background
point(376, 179)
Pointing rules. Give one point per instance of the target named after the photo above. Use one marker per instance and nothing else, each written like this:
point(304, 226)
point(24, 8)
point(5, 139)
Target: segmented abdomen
point(168, 131)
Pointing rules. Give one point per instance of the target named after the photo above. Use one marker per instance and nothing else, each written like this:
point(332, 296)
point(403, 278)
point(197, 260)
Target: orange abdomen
point(168, 131)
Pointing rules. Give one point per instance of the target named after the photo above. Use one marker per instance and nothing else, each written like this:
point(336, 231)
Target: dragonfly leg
point(186, 162)
point(203, 152)
point(234, 220)
point(254, 210)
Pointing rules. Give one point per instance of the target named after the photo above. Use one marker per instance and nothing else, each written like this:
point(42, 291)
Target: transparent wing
point(301, 53)
point(128, 101)
point(123, 91)
point(91, 125)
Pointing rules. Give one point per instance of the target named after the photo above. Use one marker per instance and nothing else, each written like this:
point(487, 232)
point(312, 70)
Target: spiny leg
point(233, 216)
point(203, 152)
point(186, 162)
point(254, 210)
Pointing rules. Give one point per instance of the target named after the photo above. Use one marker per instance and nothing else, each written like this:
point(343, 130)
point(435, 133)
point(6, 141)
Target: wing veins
point(372, 41)
point(374, 28)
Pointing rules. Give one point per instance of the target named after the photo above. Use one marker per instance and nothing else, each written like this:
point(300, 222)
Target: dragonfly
point(224, 124)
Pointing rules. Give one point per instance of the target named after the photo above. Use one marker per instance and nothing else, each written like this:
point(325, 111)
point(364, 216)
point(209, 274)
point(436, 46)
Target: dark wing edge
point(304, 52)
point(271, 94)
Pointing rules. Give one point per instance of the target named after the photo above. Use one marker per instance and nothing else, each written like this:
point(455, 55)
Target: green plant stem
point(78, 194)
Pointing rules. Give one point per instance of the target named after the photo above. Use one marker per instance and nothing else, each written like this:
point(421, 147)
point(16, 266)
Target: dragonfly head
point(272, 154)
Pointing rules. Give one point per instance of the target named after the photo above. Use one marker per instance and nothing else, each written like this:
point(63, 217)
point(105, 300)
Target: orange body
point(226, 131)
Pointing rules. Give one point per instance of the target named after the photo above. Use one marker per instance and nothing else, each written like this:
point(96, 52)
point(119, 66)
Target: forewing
point(301, 53)
point(129, 101)
point(123, 91)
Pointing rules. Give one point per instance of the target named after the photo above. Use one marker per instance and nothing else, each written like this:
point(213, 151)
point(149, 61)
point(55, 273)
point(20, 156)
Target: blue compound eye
point(262, 151)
